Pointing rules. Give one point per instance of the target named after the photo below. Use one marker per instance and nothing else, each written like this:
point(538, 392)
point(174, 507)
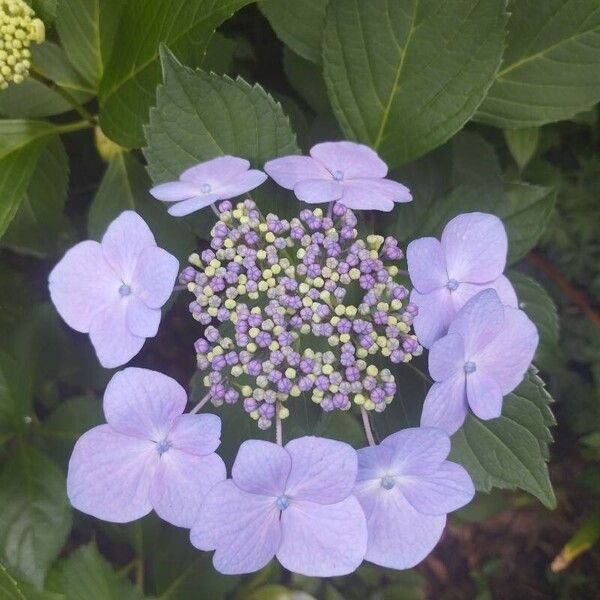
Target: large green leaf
point(299, 24)
point(199, 116)
point(9, 590)
point(36, 515)
point(15, 398)
point(132, 72)
point(31, 99)
point(39, 218)
point(88, 575)
point(510, 451)
point(21, 143)
point(404, 76)
point(551, 66)
point(87, 30)
point(125, 186)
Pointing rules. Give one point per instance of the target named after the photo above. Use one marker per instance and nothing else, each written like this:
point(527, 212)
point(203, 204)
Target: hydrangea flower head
point(276, 288)
point(203, 184)
point(346, 172)
point(406, 487)
point(293, 502)
point(114, 290)
point(484, 357)
point(148, 456)
point(470, 257)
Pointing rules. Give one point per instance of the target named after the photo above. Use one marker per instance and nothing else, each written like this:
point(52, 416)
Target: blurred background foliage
point(475, 106)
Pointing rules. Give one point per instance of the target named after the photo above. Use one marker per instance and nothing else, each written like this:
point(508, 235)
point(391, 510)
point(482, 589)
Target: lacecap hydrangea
point(290, 311)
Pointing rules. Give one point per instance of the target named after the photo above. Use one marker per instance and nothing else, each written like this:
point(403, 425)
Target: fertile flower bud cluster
point(18, 28)
point(304, 307)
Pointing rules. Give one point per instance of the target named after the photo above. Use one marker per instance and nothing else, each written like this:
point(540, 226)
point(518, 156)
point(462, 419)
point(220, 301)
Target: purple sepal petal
point(240, 184)
point(323, 540)
point(446, 357)
point(187, 207)
point(363, 195)
point(426, 264)
point(141, 320)
point(393, 190)
point(317, 191)
point(291, 170)
point(261, 468)
point(110, 473)
point(446, 405)
point(174, 191)
point(484, 395)
point(196, 434)
point(435, 314)
point(215, 170)
point(154, 276)
point(352, 159)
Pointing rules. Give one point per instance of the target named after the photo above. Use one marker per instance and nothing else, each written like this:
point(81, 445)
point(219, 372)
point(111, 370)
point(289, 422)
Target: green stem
point(419, 373)
point(75, 126)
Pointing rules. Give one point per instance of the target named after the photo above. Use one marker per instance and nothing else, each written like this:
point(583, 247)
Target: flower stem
point(215, 210)
point(200, 404)
point(367, 426)
point(75, 126)
point(278, 430)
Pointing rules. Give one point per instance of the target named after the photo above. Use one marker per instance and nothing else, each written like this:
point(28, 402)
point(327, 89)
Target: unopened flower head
point(18, 28)
point(302, 307)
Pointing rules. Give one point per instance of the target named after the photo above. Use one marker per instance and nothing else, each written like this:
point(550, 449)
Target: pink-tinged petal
point(181, 483)
point(113, 341)
point(374, 464)
point(154, 276)
point(317, 191)
point(484, 395)
point(361, 195)
point(289, 171)
point(124, 241)
point(240, 184)
point(175, 191)
point(110, 475)
point(435, 314)
point(417, 450)
point(465, 291)
point(399, 537)
point(216, 170)
point(476, 246)
point(446, 357)
point(187, 207)
point(438, 493)
point(261, 468)
point(143, 403)
point(243, 528)
point(141, 320)
point(446, 405)
point(323, 540)
point(82, 284)
point(393, 190)
point(479, 322)
point(505, 290)
point(196, 434)
point(323, 470)
point(352, 160)
point(508, 357)
point(426, 264)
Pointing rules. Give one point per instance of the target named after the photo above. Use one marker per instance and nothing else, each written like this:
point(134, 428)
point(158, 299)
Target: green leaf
point(551, 64)
point(36, 225)
point(125, 186)
point(87, 31)
point(132, 72)
point(540, 308)
point(510, 451)
point(219, 54)
point(9, 590)
point(522, 144)
point(403, 77)
point(45, 10)
point(199, 116)
point(36, 515)
point(21, 143)
point(474, 161)
point(307, 80)
point(67, 422)
point(32, 99)
point(298, 24)
point(87, 574)
point(15, 398)
point(17, 295)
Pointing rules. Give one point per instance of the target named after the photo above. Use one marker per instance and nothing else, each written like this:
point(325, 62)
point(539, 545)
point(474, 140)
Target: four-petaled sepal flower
point(346, 172)
point(484, 357)
point(221, 178)
point(114, 290)
point(293, 502)
point(470, 257)
point(148, 456)
point(406, 487)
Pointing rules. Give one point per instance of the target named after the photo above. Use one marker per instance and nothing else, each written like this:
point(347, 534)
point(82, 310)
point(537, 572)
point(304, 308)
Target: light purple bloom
point(148, 456)
point(470, 257)
point(114, 290)
point(350, 173)
point(484, 357)
point(203, 184)
point(406, 487)
point(293, 502)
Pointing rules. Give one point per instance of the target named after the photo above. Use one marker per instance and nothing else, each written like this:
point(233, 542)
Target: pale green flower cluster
point(18, 28)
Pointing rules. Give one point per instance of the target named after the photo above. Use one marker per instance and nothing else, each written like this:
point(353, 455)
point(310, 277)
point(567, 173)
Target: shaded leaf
point(403, 77)
point(127, 87)
point(9, 590)
point(15, 398)
point(307, 79)
point(522, 144)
